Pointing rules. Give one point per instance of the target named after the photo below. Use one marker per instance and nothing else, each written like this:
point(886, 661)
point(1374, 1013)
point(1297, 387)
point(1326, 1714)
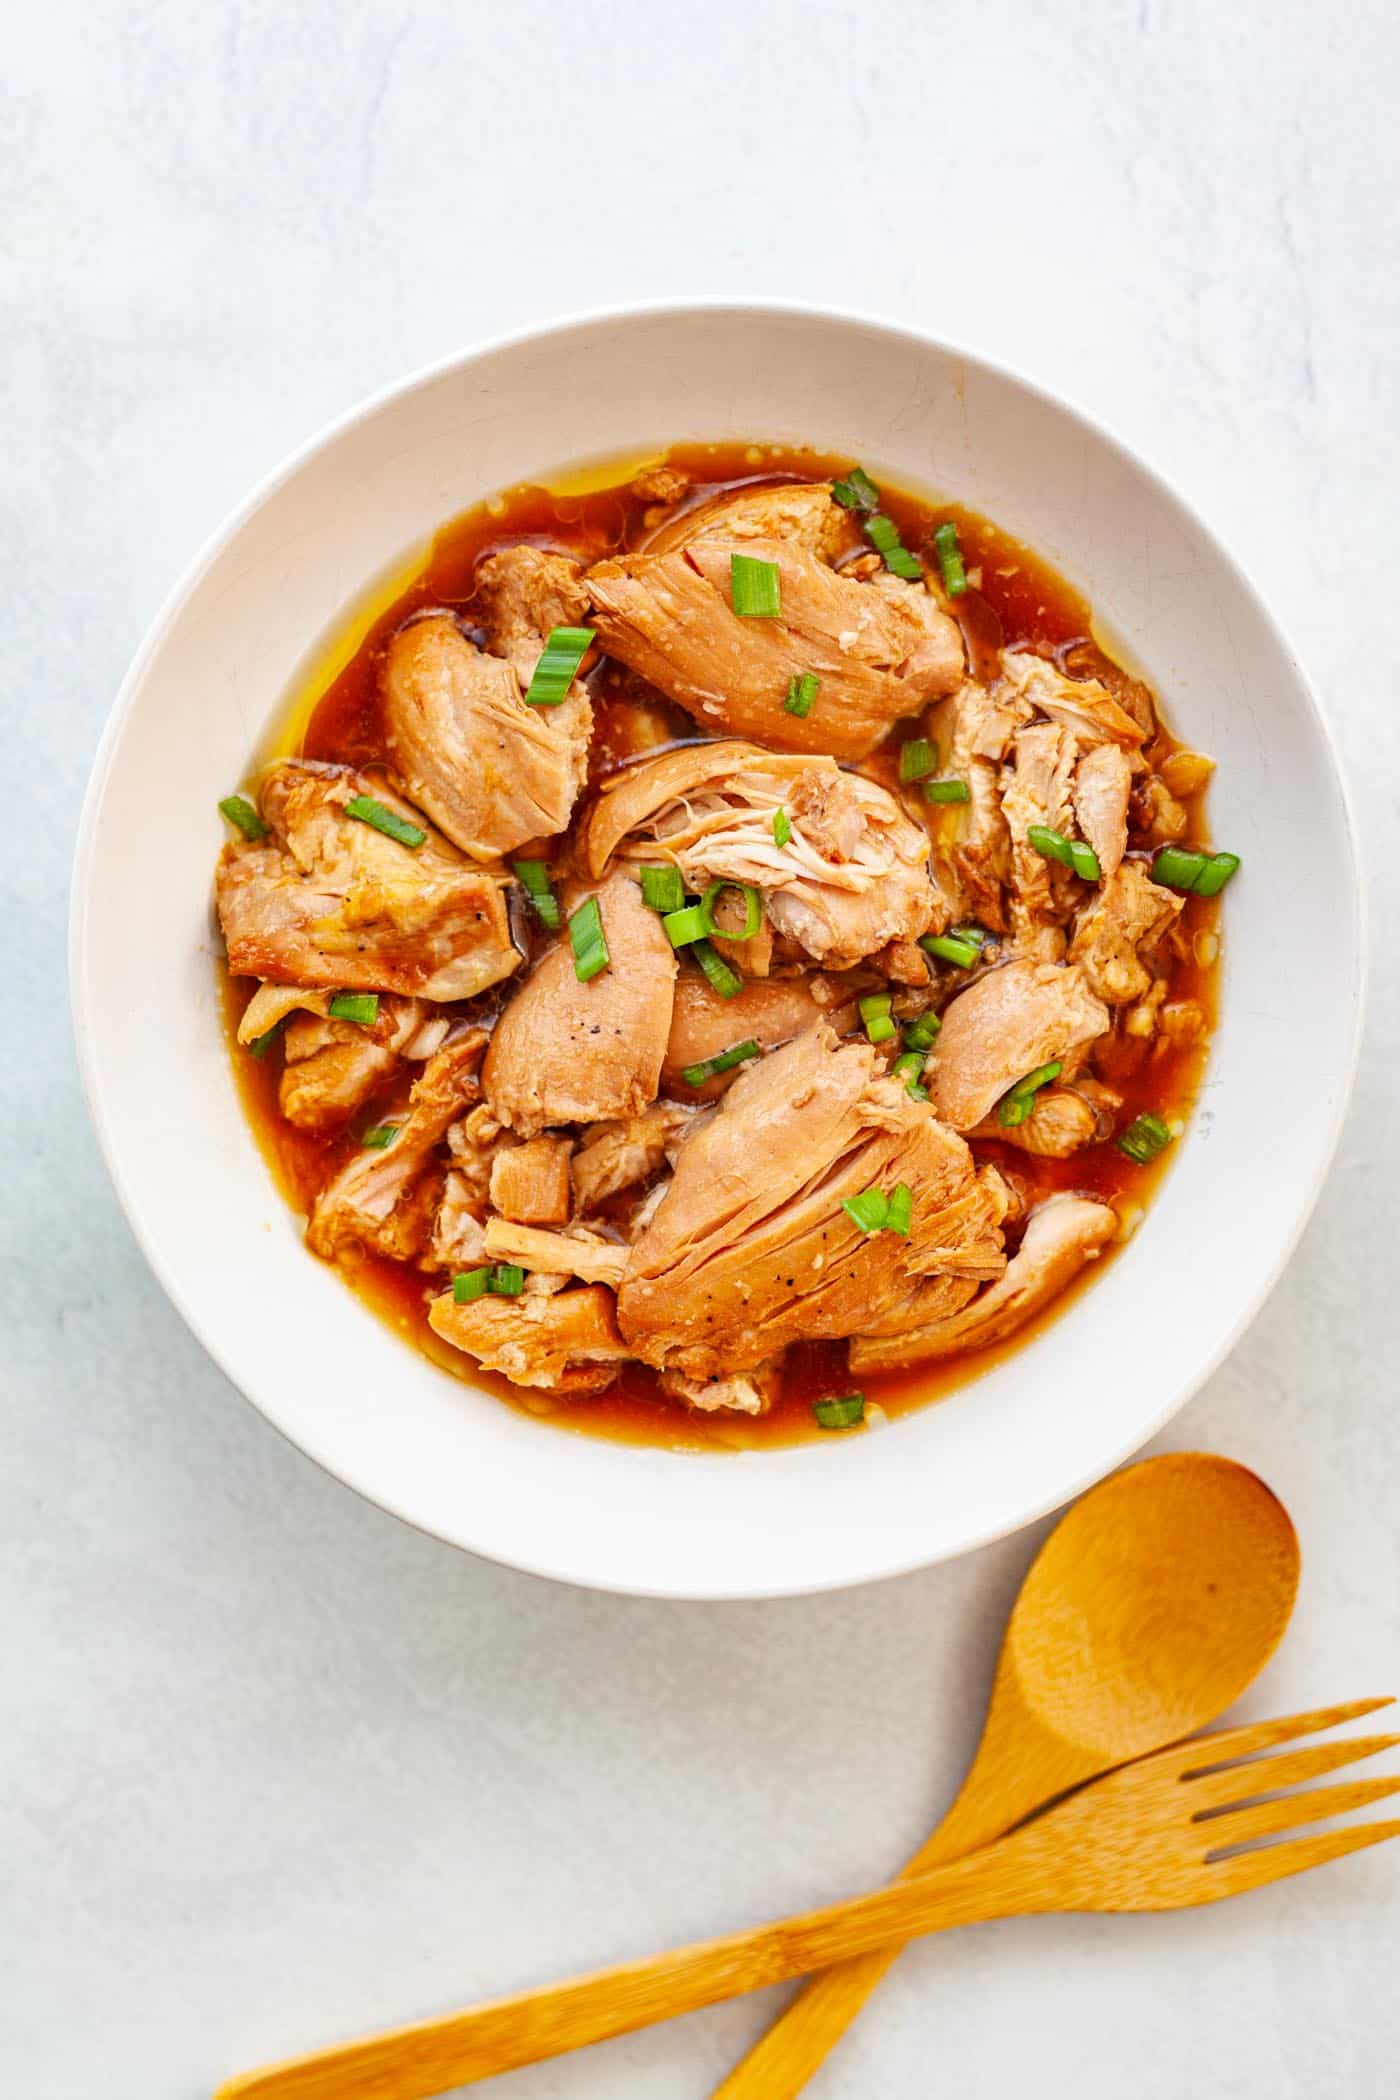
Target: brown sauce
point(1017, 599)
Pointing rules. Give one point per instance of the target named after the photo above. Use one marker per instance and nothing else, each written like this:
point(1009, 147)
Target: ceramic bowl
point(212, 679)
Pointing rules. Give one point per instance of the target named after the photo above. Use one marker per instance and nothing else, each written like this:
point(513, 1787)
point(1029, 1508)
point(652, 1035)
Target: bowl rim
point(680, 309)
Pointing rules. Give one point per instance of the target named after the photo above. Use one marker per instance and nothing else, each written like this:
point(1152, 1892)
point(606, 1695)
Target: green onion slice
point(380, 1138)
point(882, 532)
point(909, 1066)
point(755, 588)
point(857, 491)
point(919, 1034)
point(241, 813)
point(902, 563)
point(753, 910)
point(1193, 873)
point(261, 1044)
point(1016, 1105)
point(844, 1413)
point(875, 1006)
point(506, 1279)
point(947, 791)
point(1084, 861)
point(782, 827)
point(728, 983)
point(869, 1210)
point(684, 926)
point(366, 810)
point(533, 876)
point(471, 1283)
point(949, 551)
point(917, 758)
point(663, 889)
point(587, 941)
point(1144, 1138)
point(801, 693)
point(696, 1075)
point(557, 668)
point(1070, 853)
point(900, 1215)
point(952, 948)
point(881, 1030)
point(355, 1006)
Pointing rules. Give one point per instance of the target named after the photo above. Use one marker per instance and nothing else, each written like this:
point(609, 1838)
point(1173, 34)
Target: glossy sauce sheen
point(1019, 600)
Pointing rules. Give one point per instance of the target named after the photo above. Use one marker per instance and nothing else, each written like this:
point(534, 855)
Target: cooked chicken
point(744, 1393)
point(881, 649)
point(573, 1253)
point(331, 1068)
point(524, 593)
point(458, 1237)
point(490, 770)
point(1062, 1235)
point(565, 1342)
point(566, 1052)
point(329, 901)
point(617, 1156)
point(852, 875)
point(1084, 706)
point(530, 1182)
point(1036, 790)
point(1103, 781)
point(385, 1200)
point(1014, 1019)
point(474, 1143)
point(750, 1248)
point(1127, 916)
point(972, 846)
point(768, 1011)
point(803, 513)
point(1061, 1121)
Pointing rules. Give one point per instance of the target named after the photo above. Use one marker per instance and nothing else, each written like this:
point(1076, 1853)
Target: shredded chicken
point(1085, 706)
point(1103, 781)
point(767, 1011)
point(572, 1253)
point(1125, 919)
point(332, 1068)
point(326, 900)
point(742, 1393)
point(852, 875)
point(623, 1155)
point(566, 1341)
point(1007, 1024)
point(530, 1182)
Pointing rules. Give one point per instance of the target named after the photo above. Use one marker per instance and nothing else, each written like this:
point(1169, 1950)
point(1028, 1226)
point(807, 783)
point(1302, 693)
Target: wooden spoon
point(1147, 1611)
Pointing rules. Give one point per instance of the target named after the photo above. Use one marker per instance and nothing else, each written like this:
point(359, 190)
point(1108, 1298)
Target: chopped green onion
point(857, 491)
point(1194, 873)
point(684, 926)
point(905, 564)
point(755, 588)
point(380, 1138)
point(1015, 1106)
point(952, 947)
point(728, 983)
point(355, 1006)
point(947, 791)
point(587, 941)
point(1218, 870)
point(919, 1034)
point(472, 1283)
point(261, 1044)
point(506, 1279)
point(366, 810)
point(240, 812)
point(1070, 853)
point(900, 1215)
point(869, 1210)
point(909, 1066)
point(696, 1075)
point(946, 546)
point(875, 1006)
point(880, 1031)
point(883, 535)
point(1144, 1138)
point(753, 910)
point(801, 693)
point(533, 876)
point(844, 1413)
point(782, 827)
point(917, 758)
point(663, 889)
point(558, 666)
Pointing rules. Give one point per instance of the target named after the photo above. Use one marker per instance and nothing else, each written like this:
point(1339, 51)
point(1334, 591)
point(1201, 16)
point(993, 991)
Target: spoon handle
point(438, 2055)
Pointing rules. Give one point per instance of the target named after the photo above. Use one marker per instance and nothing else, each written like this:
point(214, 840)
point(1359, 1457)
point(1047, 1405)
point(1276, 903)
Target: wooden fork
point(1156, 1835)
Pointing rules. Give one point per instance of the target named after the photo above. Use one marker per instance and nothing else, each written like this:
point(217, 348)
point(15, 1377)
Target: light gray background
point(273, 1768)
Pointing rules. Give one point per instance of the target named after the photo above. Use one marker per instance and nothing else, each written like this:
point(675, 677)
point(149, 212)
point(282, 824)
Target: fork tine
point(1290, 1811)
point(1218, 1749)
point(1220, 1791)
point(1255, 1870)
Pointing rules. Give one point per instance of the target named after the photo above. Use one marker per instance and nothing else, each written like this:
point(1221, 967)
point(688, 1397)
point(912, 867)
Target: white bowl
point(209, 683)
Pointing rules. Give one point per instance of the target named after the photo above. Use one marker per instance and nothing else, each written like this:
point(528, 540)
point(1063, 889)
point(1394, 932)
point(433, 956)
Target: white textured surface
point(271, 1767)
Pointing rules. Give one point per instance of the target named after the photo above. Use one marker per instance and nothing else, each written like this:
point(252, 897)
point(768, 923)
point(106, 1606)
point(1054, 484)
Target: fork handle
point(411, 2063)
